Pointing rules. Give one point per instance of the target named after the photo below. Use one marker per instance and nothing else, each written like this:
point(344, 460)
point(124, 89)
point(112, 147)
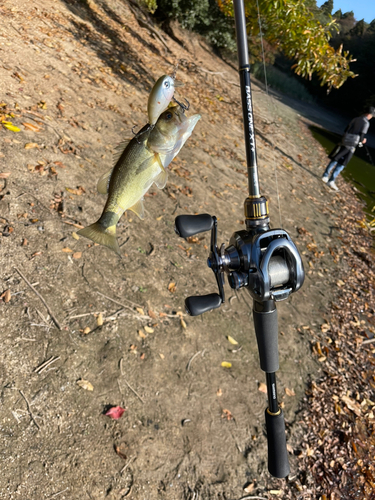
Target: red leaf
point(115, 412)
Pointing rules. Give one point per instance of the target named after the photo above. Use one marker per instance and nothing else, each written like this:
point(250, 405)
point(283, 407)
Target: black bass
point(139, 164)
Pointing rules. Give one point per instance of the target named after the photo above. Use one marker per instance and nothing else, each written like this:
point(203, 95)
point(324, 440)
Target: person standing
point(340, 156)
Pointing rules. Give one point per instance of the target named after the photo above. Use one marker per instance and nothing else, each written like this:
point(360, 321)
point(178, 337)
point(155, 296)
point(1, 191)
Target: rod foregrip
point(188, 225)
point(266, 330)
point(278, 462)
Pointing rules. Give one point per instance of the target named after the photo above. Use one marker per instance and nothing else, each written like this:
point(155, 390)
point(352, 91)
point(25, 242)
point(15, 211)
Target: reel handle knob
point(200, 304)
point(188, 225)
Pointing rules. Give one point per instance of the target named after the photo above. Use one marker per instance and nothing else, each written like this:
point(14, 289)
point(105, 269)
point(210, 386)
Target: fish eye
point(166, 84)
point(168, 116)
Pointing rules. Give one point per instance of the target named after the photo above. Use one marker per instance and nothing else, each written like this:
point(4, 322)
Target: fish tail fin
point(103, 235)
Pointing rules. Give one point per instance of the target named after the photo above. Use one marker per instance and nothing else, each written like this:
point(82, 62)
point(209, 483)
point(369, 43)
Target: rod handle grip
point(278, 461)
point(188, 225)
point(200, 304)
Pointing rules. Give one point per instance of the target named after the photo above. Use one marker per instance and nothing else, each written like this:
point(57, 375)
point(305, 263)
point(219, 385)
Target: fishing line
point(269, 101)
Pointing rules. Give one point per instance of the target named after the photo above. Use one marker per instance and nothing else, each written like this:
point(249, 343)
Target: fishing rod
point(264, 261)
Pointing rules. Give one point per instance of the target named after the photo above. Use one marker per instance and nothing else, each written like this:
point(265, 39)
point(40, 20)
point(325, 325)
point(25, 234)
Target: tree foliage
point(291, 27)
point(297, 28)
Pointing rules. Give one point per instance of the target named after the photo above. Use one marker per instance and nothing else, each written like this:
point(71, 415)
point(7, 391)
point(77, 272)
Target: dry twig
point(41, 298)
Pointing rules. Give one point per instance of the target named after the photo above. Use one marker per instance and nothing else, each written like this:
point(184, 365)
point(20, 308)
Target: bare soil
point(80, 74)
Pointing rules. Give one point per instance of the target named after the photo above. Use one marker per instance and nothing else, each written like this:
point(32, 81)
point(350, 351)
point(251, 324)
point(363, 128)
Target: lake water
point(360, 171)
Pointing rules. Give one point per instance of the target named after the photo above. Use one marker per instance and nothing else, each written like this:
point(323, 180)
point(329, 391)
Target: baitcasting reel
point(266, 263)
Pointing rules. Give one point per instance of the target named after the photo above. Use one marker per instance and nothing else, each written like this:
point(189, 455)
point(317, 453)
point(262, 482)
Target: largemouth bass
point(139, 164)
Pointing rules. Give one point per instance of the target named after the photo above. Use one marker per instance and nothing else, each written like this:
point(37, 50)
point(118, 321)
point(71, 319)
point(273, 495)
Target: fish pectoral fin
point(146, 164)
point(161, 179)
point(138, 209)
point(103, 182)
point(119, 149)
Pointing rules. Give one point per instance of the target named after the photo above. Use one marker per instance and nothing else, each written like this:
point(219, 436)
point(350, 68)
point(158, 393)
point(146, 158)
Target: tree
point(291, 27)
point(327, 7)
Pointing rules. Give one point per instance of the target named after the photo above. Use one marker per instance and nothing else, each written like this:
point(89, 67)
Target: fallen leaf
point(140, 310)
point(219, 393)
point(141, 334)
point(289, 392)
point(77, 255)
point(99, 319)
point(231, 340)
point(120, 453)
point(31, 126)
point(6, 296)
point(226, 364)
point(86, 330)
point(183, 324)
point(262, 387)
point(115, 412)
point(67, 250)
point(172, 287)
point(5, 175)
point(352, 405)
point(11, 127)
point(75, 235)
point(24, 242)
point(79, 191)
point(152, 314)
point(85, 384)
point(249, 488)
point(227, 414)
point(31, 145)
point(161, 355)
point(148, 329)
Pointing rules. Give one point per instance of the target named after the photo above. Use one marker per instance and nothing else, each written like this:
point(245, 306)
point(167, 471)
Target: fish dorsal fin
point(103, 182)
point(161, 179)
point(138, 209)
point(119, 149)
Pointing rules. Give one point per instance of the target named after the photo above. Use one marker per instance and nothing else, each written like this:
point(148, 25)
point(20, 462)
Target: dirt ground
point(75, 78)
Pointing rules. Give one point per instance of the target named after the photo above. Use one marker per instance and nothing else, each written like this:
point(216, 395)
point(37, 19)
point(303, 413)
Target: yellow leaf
point(219, 392)
point(67, 250)
point(161, 355)
point(85, 384)
point(289, 392)
point(99, 319)
point(31, 145)
point(11, 127)
point(75, 235)
point(140, 310)
point(141, 334)
point(183, 324)
point(86, 330)
point(231, 340)
point(262, 387)
point(172, 287)
point(148, 329)
point(226, 364)
point(159, 218)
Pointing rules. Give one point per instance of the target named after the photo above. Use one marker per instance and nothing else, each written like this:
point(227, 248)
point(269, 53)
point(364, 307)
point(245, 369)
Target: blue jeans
point(335, 169)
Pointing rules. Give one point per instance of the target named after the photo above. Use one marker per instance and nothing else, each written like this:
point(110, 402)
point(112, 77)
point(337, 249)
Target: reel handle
point(199, 304)
point(278, 462)
point(188, 225)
